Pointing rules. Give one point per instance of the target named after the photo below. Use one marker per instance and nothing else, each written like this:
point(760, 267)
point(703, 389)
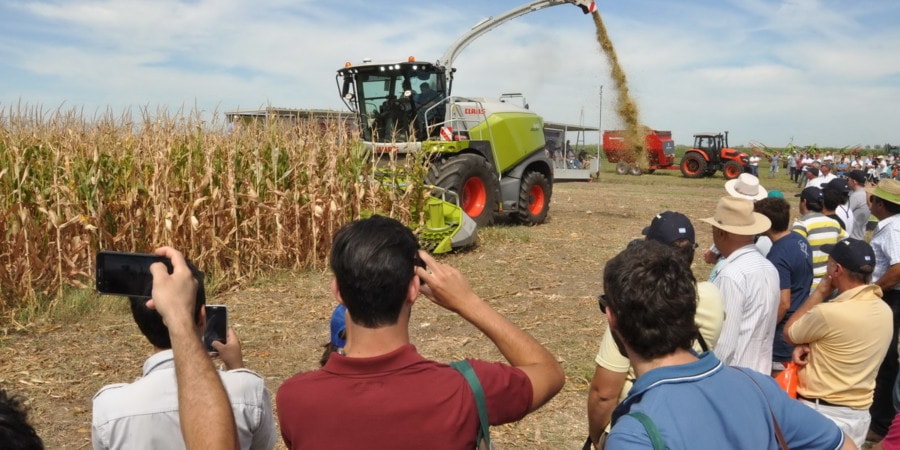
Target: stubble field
point(544, 278)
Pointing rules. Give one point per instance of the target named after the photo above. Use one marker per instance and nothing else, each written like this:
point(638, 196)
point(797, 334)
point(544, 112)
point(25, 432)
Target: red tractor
point(711, 153)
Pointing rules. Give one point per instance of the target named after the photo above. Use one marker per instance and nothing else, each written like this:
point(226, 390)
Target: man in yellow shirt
point(841, 343)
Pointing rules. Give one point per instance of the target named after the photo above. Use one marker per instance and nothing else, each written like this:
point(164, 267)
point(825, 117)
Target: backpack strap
point(655, 437)
point(484, 431)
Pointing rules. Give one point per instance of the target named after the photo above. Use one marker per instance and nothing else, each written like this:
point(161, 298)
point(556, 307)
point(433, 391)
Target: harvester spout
point(587, 6)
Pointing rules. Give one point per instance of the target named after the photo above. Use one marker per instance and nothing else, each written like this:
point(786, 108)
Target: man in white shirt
point(749, 284)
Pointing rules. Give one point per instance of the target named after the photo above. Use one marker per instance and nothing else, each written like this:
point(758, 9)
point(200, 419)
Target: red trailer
point(659, 146)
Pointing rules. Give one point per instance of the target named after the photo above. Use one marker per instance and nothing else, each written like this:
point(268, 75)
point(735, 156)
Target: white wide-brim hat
point(745, 186)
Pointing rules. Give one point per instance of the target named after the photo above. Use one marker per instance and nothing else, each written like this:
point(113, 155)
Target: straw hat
point(888, 190)
point(736, 216)
point(745, 186)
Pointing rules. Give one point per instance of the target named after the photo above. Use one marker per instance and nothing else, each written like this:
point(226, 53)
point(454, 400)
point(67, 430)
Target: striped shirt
point(819, 230)
point(750, 288)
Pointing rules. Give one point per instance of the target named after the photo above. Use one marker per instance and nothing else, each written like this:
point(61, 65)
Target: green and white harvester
point(486, 157)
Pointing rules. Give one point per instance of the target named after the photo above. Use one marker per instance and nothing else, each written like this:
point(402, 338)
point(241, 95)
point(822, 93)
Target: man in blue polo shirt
point(685, 401)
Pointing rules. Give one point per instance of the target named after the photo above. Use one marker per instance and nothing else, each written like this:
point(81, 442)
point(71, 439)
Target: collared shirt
point(144, 414)
point(750, 288)
point(396, 400)
point(848, 337)
point(886, 243)
point(693, 406)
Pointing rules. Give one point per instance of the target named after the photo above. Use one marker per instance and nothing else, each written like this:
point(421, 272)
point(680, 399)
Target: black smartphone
point(216, 326)
point(128, 274)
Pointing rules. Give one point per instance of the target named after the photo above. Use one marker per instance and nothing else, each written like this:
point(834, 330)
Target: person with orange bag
point(840, 344)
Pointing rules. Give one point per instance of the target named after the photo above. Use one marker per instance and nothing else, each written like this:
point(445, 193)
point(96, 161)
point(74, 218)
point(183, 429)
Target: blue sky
point(815, 71)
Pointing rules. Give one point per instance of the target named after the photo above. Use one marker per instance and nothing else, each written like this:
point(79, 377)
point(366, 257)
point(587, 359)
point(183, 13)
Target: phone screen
point(216, 326)
point(127, 274)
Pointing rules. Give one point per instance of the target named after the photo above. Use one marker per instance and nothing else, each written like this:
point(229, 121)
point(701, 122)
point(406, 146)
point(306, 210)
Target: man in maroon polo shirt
point(377, 391)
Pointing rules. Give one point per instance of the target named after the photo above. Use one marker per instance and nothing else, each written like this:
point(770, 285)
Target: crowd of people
point(678, 353)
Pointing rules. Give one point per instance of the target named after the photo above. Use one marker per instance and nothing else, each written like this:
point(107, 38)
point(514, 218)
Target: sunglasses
point(601, 301)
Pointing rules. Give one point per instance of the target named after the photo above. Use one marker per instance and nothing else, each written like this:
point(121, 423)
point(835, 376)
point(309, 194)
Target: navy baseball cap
point(838, 184)
point(857, 175)
point(811, 194)
point(854, 254)
point(813, 171)
point(668, 227)
point(338, 325)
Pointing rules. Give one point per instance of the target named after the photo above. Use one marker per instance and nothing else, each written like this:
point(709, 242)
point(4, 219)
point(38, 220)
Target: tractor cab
point(396, 101)
point(711, 144)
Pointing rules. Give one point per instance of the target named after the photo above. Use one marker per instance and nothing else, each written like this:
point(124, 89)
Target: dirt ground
point(544, 278)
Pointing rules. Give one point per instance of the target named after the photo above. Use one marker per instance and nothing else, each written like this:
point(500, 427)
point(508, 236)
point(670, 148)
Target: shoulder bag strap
point(702, 342)
point(484, 431)
point(782, 443)
point(655, 437)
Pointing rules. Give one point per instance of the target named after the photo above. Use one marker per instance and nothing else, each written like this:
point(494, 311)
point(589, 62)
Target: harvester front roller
point(471, 177)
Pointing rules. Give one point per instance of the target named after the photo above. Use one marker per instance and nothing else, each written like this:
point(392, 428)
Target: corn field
point(268, 194)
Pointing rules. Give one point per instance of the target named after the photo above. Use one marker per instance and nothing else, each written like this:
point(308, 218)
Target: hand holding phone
point(216, 326)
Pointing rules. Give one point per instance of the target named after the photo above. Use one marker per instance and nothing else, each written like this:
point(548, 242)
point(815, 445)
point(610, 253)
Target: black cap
point(813, 171)
point(857, 175)
point(668, 227)
point(854, 254)
point(838, 184)
point(811, 194)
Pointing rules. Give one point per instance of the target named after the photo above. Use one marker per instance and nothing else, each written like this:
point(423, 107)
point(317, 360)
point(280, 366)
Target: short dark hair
point(776, 209)
point(372, 260)
point(892, 208)
point(813, 205)
point(654, 298)
point(15, 431)
point(833, 198)
point(151, 323)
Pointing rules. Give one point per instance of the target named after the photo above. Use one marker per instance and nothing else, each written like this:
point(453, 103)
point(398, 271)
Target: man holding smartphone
point(145, 414)
point(377, 391)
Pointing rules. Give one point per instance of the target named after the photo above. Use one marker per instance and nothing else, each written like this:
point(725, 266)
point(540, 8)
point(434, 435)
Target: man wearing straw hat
point(749, 286)
point(884, 202)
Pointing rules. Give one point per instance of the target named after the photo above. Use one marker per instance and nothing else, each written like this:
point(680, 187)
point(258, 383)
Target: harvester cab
point(711, 153)
point(489, 153)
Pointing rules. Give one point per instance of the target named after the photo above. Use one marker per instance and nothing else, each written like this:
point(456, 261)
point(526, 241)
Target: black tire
point(732, 170)
point(693, 166)
point(635, 169)
point(622, 168)
point(534, 199)
point(472, 177)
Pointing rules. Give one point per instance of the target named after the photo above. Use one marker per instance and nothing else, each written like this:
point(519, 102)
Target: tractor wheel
point(622, 168)
point(472, 178)
point(534, 199)
point(635, 169)
point(732, 170)
point(693, 166)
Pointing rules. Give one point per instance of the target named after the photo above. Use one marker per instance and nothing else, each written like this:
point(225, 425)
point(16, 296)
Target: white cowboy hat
point(745, 186)
point(736, 216)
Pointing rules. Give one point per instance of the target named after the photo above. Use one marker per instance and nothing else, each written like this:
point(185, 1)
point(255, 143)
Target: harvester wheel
point(534, 199)
point(732, 170)
point(622, 168)
point(693, 166)
point(634, 169)
point(472, 178)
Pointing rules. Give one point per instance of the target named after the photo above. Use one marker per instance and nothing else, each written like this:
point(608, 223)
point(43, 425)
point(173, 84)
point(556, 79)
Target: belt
point(819, 401)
